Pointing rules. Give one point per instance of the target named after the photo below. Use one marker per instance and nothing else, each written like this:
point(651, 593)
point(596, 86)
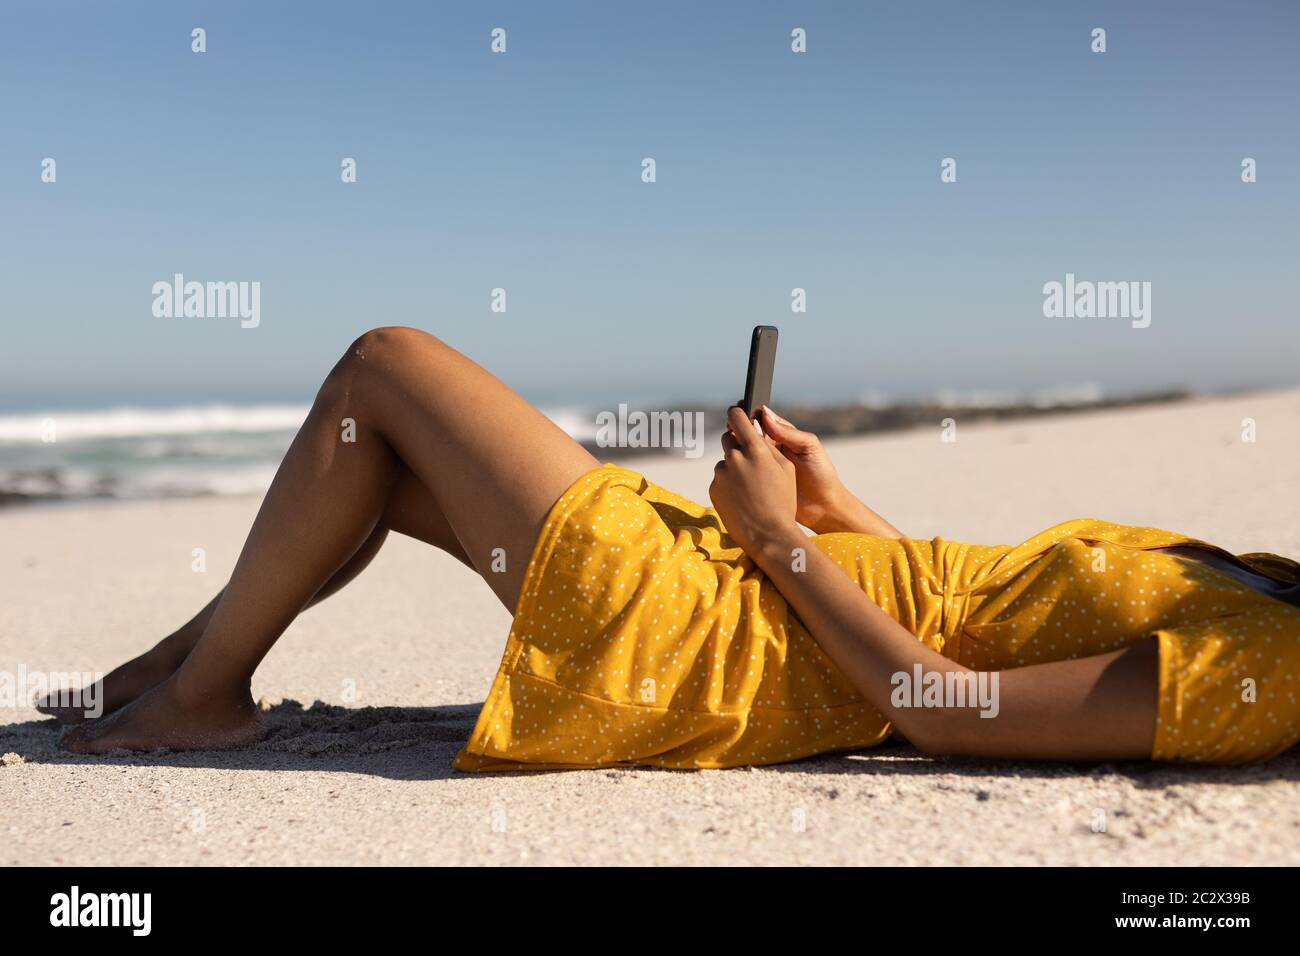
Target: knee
point(383, 345)
point(384, 352)
point(373, 359)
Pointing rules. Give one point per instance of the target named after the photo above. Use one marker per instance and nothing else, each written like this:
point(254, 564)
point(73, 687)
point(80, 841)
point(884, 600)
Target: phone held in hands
point(762, 361)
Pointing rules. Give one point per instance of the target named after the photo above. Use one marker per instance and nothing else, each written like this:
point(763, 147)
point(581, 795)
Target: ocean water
point(113, 448)
point(149, 452)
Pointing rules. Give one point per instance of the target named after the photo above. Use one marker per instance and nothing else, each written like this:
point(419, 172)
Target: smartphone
point(762, 359)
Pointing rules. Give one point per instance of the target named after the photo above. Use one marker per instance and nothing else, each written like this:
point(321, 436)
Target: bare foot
point(161, 718)
point(122, 684)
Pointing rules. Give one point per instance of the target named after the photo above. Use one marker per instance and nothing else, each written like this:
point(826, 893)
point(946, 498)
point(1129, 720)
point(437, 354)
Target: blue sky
point(522, 171)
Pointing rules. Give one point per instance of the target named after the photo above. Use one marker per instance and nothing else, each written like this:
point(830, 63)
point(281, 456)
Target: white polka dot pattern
point(643, 635)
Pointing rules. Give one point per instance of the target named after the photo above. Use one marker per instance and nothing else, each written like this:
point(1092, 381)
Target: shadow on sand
point(401, 743)
point(419, 743)
point(893, 760)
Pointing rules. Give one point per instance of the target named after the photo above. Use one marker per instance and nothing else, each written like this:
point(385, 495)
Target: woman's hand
point(823, 503)
point(753, 487)
point(821, 496)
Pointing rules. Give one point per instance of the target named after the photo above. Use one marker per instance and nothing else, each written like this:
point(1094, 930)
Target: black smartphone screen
point(762, 361)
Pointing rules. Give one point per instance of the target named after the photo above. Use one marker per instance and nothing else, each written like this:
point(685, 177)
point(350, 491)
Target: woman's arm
point(1095, 708)
point(848, 513)
point(822, 502)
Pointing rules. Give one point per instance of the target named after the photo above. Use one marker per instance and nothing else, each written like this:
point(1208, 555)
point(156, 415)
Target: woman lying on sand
point(651, 630)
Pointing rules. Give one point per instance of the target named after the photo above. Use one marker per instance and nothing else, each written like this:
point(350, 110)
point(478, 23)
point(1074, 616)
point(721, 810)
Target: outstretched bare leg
point(492, 462)
point(411, 510)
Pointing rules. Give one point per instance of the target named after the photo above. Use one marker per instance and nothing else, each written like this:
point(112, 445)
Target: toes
point(64, 715)
point(75, 739)
point(58, 707)
point(92, 737)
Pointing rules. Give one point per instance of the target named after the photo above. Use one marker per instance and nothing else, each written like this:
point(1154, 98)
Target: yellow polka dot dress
point(644, 635)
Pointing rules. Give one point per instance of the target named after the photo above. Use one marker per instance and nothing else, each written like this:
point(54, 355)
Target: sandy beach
point(370, 695)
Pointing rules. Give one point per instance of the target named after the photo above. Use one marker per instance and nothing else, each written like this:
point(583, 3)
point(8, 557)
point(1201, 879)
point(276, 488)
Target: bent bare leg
point(493, 463)
point(410, 510)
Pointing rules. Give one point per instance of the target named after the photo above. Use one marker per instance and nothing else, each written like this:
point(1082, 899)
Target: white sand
point(84, 587)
